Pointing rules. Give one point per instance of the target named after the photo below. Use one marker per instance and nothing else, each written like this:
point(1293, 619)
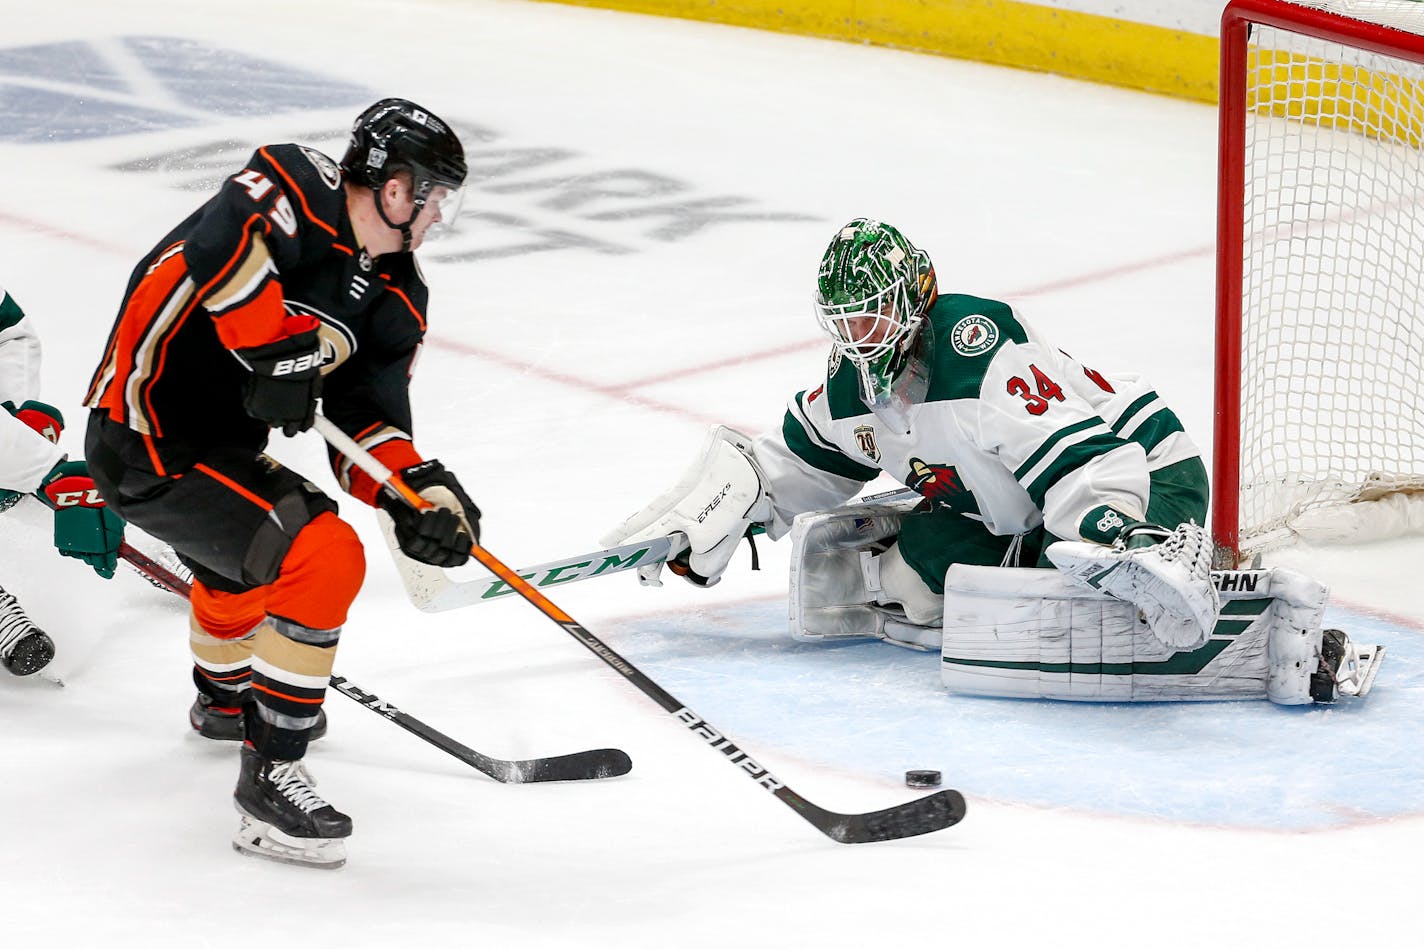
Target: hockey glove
point(84, 527)
point(45, 419)
point(285, 381)
point(1165, 574)
point(440, 536)
point(718, 499)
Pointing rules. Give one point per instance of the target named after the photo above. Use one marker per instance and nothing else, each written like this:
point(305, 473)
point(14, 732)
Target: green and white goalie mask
point(872, 292)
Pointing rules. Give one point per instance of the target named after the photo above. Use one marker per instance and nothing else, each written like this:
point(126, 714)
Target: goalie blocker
point(1035, 633)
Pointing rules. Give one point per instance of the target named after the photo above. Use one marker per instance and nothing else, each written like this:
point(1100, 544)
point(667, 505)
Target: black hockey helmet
point(397, 135)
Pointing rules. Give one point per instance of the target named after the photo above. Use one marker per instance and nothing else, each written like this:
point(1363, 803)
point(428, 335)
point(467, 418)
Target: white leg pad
point(1028, 633)
point(1293, 643)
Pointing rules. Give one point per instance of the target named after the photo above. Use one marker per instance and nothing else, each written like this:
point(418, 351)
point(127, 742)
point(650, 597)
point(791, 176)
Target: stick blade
point(590, 765)
point(911, 819)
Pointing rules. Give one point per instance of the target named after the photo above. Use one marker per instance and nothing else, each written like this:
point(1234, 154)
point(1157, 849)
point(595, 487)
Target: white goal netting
point(1332, 321)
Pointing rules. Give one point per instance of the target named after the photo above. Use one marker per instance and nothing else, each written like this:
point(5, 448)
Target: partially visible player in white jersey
point(31, 462)
point(1020, 456)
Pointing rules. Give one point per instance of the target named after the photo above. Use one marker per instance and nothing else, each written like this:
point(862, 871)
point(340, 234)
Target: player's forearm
point(25, 455)
point(1117, 480)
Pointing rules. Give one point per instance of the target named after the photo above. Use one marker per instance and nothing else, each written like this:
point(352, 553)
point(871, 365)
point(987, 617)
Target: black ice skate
point(223, 719)
point(24, 648)
point(283, 818)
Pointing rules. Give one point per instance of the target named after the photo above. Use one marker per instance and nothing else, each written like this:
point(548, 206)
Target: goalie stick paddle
point(579, 766)
point(922, 816)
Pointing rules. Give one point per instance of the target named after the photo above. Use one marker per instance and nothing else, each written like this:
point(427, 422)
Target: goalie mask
point(872, 293)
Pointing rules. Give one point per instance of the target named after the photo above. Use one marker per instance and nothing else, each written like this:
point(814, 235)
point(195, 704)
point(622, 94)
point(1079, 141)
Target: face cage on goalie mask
point(877, 350)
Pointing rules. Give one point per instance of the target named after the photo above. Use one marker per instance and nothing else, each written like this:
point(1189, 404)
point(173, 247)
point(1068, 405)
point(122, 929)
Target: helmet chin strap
point(403, 228)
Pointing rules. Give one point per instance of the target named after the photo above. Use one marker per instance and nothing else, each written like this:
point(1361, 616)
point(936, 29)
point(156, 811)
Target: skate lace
point(1189, 546)
point(294, 782)
point(14, 624)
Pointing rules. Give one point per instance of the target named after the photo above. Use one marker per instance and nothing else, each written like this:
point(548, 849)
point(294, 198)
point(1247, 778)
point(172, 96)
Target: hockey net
point(1320, 280)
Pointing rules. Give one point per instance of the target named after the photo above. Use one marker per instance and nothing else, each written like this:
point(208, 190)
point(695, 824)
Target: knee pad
point(225, 614)
point(320, 575)
point(290, 516)
point(830, 589)
point(900, 583)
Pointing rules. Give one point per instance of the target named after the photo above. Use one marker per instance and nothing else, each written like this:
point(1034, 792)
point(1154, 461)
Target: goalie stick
point(433, 590)
point(922, 816)
point(579, 766)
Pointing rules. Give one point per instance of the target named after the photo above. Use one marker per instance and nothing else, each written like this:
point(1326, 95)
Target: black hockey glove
point(285, 382)
point(440, 536)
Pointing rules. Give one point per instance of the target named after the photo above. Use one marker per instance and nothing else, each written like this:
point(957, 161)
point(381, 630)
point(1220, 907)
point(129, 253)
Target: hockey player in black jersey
point(295, 281)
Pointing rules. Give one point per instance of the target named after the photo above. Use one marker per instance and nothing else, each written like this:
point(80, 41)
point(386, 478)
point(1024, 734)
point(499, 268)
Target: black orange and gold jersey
point(273, 249)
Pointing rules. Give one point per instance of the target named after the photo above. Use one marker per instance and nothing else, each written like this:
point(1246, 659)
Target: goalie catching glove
point(441, 535)
point(1165, 573)
point(707, 512)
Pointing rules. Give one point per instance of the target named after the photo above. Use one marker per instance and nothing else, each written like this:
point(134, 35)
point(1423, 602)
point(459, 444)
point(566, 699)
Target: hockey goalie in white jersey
point(33, 463)
point(1050, 546)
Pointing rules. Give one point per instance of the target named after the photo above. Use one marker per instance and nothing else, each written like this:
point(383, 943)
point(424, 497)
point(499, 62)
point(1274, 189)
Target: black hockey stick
point(935, 812)
point(579, 766)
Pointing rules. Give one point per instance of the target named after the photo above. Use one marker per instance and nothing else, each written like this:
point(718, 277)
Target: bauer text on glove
point(285, 381)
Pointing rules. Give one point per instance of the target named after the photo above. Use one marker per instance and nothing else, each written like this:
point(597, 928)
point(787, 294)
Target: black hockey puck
point(923, 779)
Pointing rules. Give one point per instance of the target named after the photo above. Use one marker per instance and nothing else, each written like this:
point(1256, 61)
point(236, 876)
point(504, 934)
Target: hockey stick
point(153, 571)
point(432, 590)
point(922, 816)
point(579, 766)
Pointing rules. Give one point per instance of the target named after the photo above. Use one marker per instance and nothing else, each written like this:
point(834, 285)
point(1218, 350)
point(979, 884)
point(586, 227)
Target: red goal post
point(1319, 427)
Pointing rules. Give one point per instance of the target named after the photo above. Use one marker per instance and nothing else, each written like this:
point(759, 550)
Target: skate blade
point(255, 838)
point(1364, 664)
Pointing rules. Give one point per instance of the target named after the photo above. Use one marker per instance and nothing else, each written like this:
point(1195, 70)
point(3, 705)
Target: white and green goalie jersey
point(1012, 431)
point(25, 455)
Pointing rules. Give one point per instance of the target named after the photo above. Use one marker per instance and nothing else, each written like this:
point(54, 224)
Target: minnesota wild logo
point(942, 485)
point(973, 335)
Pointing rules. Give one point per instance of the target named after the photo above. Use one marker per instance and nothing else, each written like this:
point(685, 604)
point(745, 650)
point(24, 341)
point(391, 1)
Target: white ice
point(582, 337)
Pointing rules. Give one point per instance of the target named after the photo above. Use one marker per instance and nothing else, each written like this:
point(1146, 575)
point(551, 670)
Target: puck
point(923, 779)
